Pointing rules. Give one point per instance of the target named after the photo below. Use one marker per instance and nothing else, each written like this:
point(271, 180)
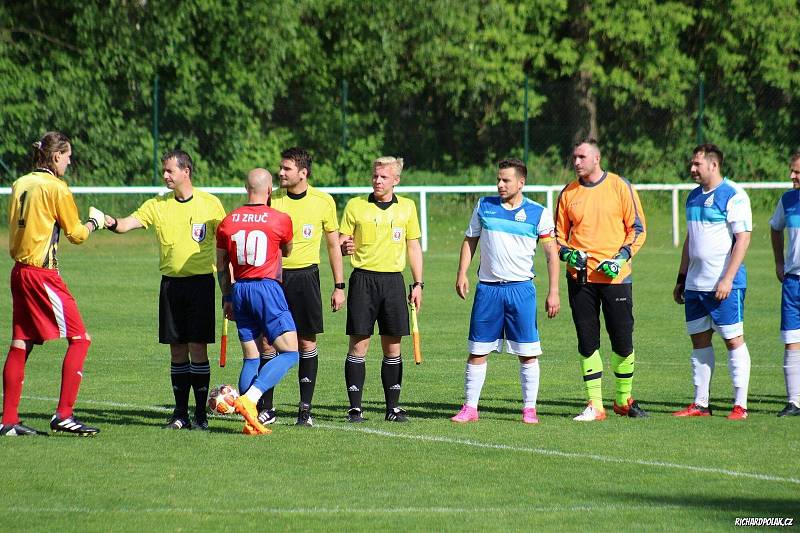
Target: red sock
point(71, 374)
point(13, 376)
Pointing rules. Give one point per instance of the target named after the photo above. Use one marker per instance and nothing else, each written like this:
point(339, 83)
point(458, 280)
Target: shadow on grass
point(738, 506)
point(117, 416)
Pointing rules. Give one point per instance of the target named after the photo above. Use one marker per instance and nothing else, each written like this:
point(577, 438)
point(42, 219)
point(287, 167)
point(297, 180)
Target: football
point(221, 399)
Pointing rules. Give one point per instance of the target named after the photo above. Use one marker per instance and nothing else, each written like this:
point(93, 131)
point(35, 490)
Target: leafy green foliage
point(438, 82)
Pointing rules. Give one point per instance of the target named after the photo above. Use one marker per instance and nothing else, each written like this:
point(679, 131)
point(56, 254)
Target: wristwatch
point(419, 284)
point(339, 286)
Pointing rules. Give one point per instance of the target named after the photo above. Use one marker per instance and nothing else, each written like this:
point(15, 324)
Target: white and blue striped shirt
point(787, 215)
point(508, 237)
point(713, 218)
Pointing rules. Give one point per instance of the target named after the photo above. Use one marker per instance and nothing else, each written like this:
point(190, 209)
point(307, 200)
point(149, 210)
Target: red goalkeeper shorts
point(44, 309)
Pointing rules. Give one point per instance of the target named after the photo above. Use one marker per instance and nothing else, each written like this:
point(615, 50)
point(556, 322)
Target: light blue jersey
point(787, 216)
point(713, 218)
point(508, 238)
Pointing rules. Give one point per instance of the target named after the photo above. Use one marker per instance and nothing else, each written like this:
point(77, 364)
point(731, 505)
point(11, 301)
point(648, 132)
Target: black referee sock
point(265, 402)
point(355, 372)
point(200, 374)
point(307, 375)
point(392, 379)
point(181, 383)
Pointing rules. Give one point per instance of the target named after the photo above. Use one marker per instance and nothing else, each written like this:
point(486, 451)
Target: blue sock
point(272, 372)
point(248, 374)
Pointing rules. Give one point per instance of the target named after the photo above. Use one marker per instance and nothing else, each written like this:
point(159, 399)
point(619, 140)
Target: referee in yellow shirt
point(185, 222)
point(378, 231)
point(313, 215)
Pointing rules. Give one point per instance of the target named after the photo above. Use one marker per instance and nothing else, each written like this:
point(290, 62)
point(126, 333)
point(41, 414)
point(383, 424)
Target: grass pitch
point(660, 473)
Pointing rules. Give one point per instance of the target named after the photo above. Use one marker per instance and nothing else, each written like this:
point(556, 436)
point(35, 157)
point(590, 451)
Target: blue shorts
point(790, 309)
point(260, 308)
point(504, 311)
point(705, 312)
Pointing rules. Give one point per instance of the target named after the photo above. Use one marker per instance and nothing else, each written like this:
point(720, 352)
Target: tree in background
point(439, 82)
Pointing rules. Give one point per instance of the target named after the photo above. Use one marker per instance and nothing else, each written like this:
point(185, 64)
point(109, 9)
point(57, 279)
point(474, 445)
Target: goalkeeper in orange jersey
point(600, 226)
point(41, 206)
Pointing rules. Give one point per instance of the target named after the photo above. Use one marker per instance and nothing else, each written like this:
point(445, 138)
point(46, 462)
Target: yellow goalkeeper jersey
point(186, 231)
point(40, 207)
point(380, 235)
point(312, 213)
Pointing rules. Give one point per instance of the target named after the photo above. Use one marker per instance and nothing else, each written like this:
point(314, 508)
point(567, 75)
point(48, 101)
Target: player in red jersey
point(41, 206)
point(252, 239)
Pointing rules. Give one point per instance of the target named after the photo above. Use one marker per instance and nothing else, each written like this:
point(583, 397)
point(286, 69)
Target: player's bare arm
point(286, 249)
point(468, 248)
point(224, 281)
point(776, 237)
point(738, 252)
point(680, 284)
point(552, 304)
point(122, 225)
point(415, 262)
point(335, 259)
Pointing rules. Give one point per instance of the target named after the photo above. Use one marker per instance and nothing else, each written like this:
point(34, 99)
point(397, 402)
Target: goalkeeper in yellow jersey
point(41, 206)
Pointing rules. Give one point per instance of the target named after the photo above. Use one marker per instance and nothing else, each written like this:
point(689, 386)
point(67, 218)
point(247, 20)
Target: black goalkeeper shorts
point(616, 302)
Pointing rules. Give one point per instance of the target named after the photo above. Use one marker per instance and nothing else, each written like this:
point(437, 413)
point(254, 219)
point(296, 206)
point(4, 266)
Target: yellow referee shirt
point(312, 212)
point(186, 231)
point(40, 206)
point(380, 235)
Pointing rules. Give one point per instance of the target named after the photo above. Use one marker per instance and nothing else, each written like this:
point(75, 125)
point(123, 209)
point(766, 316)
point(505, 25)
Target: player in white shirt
point(787, 217)
point(712, 279)
point(508, 227)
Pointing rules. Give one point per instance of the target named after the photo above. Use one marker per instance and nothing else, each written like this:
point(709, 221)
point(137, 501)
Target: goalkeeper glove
point(97, 218)
point(611, 267)
point(574, 258)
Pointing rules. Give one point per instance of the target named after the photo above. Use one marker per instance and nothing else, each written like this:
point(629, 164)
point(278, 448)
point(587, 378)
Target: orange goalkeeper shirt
point(601, 219)
point(40, 206)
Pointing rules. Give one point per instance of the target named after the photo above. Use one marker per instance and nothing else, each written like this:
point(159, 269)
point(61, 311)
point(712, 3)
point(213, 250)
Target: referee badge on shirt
point(199, 232)
point(397, 234)
point(308, 230)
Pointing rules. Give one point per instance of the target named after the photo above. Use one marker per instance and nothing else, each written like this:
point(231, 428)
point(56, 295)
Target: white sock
point(739, 366)
point(474, 376)
point(791, 371)
point(253, 394)
point(529, 380)
point(702, 370)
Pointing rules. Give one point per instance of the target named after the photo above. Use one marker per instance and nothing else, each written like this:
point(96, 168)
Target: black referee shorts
point(377, 296)
point(616, 301)
point(186, 310)
point(301, 287)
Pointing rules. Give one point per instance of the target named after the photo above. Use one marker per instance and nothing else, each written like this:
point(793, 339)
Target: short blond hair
point(389, 161)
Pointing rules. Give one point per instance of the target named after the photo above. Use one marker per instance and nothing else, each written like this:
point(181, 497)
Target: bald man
point(252, 239)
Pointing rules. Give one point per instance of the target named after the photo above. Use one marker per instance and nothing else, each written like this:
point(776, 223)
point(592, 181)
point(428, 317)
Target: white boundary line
point(501, 447)
point(569, 455)
point(265, 511)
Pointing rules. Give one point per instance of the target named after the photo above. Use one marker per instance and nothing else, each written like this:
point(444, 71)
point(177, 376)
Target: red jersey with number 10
point(252, 236)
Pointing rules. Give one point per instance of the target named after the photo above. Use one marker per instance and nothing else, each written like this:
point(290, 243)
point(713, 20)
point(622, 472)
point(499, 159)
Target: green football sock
point(592, 370)
point(623, 371)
